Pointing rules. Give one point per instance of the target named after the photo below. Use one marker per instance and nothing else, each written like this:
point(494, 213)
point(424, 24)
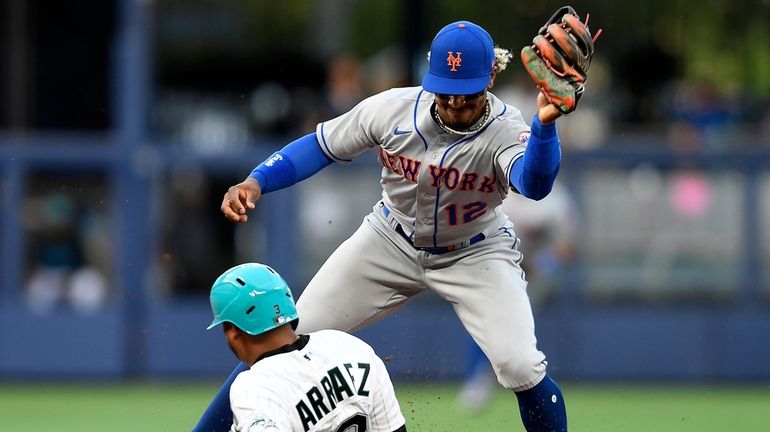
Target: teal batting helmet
point(253, 297)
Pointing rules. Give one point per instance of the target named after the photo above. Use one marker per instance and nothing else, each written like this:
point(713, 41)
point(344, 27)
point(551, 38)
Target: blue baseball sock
point(542, 407)
point(218, 417)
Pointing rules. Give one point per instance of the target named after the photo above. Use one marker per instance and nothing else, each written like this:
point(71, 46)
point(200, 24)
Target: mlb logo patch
point(524, 138)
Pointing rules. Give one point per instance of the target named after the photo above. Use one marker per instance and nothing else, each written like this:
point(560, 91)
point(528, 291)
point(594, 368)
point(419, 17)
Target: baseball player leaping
point(450, 152)
point(323, 381)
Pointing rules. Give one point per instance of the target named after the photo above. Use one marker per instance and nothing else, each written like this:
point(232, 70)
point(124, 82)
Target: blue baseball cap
point(461, 59)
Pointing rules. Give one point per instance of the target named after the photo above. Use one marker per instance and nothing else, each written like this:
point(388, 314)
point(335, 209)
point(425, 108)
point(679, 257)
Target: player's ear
point(492, 80)
point(230, 330)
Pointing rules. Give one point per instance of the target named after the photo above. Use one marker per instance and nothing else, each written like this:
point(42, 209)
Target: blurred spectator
point(68, 254)
point(344, 87)
point(548, 230)
point(51, 222)
point(344, 84)
point(387, 68)
point(270, 103)
point(46, 288)
point(87, 290)
point(279, 109)
point(702, 116)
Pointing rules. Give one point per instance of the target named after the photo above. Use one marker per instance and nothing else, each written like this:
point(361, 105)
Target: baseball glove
point(559, 58)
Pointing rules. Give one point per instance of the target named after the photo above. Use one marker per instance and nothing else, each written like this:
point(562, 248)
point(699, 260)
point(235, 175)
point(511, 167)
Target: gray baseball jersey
point(438, 227)
point(332, 382)
point(442, 188)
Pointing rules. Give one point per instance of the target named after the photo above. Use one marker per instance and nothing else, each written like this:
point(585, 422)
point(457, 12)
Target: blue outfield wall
point(143, 333)
point(422, 342)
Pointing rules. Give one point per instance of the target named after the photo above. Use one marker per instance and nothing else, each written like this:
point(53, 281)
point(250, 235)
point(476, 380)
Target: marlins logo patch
point(261, 423)
point(524, 138)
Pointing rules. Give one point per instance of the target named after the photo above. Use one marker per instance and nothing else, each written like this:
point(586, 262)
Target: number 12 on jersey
point(468, 212)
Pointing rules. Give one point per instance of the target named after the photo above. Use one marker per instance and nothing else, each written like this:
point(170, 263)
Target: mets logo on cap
point(454, 61)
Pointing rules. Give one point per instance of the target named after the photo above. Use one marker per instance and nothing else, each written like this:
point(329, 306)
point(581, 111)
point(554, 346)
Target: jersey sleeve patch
point(262, 422)
point(524, 137)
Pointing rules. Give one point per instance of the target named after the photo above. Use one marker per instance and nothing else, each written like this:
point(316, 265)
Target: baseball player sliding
point(450, 152)
point(322, 381)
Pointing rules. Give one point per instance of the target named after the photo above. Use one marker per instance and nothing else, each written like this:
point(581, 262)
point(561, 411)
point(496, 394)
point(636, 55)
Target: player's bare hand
point(546, 111)
point(241, 198)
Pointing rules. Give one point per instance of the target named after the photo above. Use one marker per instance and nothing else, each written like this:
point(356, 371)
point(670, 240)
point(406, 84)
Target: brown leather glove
point(559, 57)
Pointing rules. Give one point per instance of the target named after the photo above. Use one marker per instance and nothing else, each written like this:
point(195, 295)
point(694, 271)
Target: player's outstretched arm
point(533, 175)
point(297, 161)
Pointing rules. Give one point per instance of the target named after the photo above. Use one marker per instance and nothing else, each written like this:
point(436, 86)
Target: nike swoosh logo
point(400, 132)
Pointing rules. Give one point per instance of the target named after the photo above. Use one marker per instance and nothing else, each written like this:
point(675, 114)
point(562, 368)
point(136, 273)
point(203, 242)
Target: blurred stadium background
point(123, 122)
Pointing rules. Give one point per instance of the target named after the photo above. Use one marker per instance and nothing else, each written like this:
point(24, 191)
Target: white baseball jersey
point(442, 188)
point(326, 381)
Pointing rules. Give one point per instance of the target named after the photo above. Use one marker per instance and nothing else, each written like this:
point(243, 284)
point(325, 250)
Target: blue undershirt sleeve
point(297, 161)
point(533, 174)
point(218, 416)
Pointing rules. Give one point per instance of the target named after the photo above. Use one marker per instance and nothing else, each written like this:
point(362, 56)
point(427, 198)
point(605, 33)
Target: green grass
point(32, 407)
point(626, 408)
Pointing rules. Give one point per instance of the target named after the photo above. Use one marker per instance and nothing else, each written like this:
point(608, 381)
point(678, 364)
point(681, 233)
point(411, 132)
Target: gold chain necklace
point(479, 124)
